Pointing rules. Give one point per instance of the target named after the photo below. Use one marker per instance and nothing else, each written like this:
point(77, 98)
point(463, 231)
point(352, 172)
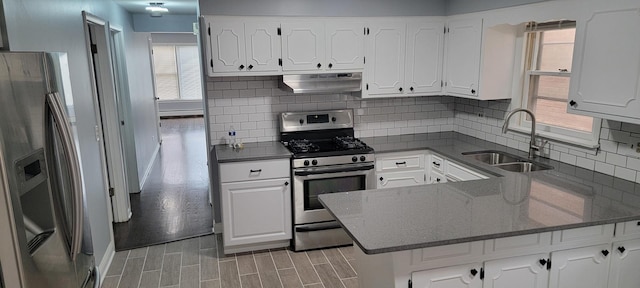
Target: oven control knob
point(354, 158)
point(306, 162)
point(362, 158)
point(333, 119)
point(301, 121)
point(314, 162)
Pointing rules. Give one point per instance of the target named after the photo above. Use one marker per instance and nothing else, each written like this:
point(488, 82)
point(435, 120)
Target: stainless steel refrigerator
point(40, 175)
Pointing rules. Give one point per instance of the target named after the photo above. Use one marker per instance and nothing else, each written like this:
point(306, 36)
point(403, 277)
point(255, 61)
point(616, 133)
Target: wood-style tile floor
point(199, 262)
point(174, 202)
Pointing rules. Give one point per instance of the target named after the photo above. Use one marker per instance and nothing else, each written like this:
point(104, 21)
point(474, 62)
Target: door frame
point(155, 93)
point(108, 124)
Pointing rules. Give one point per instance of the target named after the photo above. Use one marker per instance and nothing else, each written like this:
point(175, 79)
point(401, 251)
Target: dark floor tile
point(191, 252)
point(171, 270)
point(246, 264)
point(132, 273)
point(319, 285)
point(281, 259)
point(229, 275)
point(348, 252)
point(210, 284)
point(317, 257)
point(250, 281)
point(150, 279)
point(190, 277)
point(351, 283)
point(267, 271)
point(306, 271)
point(289, 278)
point(117, 264)
point(328, 276)
point(209, 264)
point(340, 264)
point(154, 258)
point(111, 282)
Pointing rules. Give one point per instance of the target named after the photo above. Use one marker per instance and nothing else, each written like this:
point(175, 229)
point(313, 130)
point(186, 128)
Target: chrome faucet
point(532, 144)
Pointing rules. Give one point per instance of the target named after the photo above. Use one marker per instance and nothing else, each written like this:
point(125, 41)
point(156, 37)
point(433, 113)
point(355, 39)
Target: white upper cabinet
point(464, 40)
point(425, 44)
point(237, 47)
point(344, 45)
point(606, 67)
point(386, 49)
point(302, 46)
point(322, 46)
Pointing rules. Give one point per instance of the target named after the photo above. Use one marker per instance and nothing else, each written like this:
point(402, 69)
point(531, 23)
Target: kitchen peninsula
point(483, 233)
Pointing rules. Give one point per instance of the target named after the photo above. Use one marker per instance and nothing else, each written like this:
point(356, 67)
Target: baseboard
point(180, 113)
point(106, 260)
point(147, 171)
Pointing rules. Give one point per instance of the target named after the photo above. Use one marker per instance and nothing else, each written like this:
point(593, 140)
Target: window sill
point(584, 143)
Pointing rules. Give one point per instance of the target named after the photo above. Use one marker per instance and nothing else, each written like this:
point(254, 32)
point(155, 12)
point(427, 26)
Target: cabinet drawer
point(436, 177)
point(518, 245)
point(395, 162)
point(628, 228)
point(456, 172)
point(254, 170)
point(437, 163)
point(400, 179)
point(586, 235)
point(447, 254)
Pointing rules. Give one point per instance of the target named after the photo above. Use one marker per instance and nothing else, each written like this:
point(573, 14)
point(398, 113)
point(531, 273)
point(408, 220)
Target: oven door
point(309, 183)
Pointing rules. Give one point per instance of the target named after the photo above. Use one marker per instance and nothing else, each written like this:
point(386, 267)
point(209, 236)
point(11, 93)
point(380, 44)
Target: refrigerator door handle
point(64, 128)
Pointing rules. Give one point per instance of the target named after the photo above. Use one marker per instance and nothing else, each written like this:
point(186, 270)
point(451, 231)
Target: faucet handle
point(539, 147)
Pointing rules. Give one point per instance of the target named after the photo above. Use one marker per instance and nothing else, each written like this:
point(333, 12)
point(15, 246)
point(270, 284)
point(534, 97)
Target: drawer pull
point(436, 164)
point(286, 183)
point(605, 252)
point(621, 249)
point(401, 163)
point(473, 272)
point(543, 262)
point(256, 171)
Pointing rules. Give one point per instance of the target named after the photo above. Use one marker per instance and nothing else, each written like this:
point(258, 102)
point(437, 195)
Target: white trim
point(105, 263)
point(147, 171)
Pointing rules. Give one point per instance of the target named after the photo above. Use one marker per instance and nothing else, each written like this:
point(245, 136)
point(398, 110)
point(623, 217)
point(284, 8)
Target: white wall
point(166, 23)
point(43, 25)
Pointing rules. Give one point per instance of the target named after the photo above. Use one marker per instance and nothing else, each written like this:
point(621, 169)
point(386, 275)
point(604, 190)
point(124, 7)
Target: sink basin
point(506, 161)
point(493, 157)
point(523, 167)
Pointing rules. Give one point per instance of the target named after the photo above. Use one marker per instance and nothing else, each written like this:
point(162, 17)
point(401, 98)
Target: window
point(548, 59)
point(177, 72)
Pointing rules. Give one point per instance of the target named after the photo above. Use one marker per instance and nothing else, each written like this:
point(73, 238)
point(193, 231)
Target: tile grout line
point(142, 270)
point(161, 265)
point(276, 268)
point(294, 266)
point(334, 268)
point(257, 269)
point(345, 259)
point(314, 267)
point(125, 265)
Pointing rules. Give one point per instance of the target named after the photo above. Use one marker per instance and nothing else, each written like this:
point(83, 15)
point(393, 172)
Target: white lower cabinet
point(625, 261)
point(256, 211)
point(462, 276)
point(581, 267)
point(522, 272)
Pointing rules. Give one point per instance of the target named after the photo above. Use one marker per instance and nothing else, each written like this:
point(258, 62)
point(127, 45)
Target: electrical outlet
point(481, 115)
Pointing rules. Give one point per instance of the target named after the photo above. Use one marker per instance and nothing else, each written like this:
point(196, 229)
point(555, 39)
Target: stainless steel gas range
point(326, 159)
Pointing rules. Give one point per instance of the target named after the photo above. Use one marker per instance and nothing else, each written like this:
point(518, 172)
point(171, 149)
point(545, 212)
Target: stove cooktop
point(337, 146)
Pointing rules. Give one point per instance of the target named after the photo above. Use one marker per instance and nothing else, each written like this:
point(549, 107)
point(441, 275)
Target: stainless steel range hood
point(322, 83)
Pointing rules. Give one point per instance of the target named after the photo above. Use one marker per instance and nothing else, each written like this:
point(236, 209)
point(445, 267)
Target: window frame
point(530, 57)
point(178, 65)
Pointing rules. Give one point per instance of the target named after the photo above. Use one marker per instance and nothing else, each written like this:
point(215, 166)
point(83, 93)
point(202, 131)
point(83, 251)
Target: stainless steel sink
point(506, 161)
point(523, 166)
point(492, 157)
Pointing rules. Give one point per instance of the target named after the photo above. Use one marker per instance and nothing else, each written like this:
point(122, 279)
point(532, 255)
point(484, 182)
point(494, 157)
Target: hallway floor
point(174, 203)
point(200, 262)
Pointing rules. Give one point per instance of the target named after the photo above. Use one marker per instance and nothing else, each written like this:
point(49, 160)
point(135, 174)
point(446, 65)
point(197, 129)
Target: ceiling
point(175, 6)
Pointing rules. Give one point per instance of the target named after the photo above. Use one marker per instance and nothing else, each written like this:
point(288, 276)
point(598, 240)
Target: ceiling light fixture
point(156, 9)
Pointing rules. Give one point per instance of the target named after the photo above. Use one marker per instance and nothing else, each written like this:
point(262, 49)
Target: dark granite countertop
point(506, 204)
point(251, 152)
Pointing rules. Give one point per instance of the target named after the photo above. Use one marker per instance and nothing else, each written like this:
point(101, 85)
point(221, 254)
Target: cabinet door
point(386, 49)
point(521, 272)
point(463, 56)
point(425, 44)
point(606, 65)
point(303, 46)
point(624, 264)
point(400, 179)
point(263, 46)
point(579, 268)
point(227, 46)
point(344, 46)
point(256, 211)
point(463, 276)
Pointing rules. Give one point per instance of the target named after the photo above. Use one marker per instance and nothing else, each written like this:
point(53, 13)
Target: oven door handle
point(316, 171)
point(318, 227)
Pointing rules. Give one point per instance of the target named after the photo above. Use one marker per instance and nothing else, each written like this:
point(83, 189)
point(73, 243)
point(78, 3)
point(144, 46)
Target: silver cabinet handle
point(64, 128)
